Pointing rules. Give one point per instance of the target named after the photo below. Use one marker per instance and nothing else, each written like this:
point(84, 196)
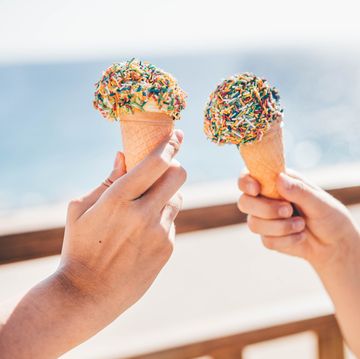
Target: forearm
point(342, 281)
point(49, 320)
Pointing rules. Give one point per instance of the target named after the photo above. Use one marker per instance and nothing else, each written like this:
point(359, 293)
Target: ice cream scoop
point(145, 100)
point(244, 110)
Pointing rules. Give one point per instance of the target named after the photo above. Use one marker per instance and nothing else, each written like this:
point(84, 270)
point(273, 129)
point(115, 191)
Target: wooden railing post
point(330, 342)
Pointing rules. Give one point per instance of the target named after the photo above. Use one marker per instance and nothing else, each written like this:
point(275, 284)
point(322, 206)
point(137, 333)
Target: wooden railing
point(330, 344)
point(42, 243)
point(22, 246)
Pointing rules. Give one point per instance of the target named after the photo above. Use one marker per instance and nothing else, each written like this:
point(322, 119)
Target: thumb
point(78, 207)
point(309, 199)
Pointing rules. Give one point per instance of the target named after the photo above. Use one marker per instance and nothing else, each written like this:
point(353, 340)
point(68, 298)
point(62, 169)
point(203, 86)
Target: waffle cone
point(142, 132)
point(265, 159)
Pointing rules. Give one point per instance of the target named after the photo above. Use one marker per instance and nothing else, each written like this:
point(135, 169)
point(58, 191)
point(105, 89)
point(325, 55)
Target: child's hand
point(324, 232)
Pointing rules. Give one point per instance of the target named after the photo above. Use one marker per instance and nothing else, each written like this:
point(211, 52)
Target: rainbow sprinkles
point(128, 86)
point(241, 110)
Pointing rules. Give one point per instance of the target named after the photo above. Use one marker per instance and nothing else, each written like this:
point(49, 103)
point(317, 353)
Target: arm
point(325, 235)
point(117, 239)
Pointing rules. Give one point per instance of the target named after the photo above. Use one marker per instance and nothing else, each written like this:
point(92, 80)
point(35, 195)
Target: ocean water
point(54, 145)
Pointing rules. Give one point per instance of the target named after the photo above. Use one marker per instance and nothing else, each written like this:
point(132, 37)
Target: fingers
point(264, 207)
point(294, 174)
point(172, 233)
point(146, 173)
point(171, 210)
point(276, 227)
point(249, 185)
point(311, 200)
point(284, 243)
point(165, 187)
point(119, 169)
point(80, 206)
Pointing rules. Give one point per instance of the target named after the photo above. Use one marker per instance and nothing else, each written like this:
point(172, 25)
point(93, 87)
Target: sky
point(41, 30)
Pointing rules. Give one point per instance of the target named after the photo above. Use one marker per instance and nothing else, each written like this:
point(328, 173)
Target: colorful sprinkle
point(130, 85)
point(241, 110)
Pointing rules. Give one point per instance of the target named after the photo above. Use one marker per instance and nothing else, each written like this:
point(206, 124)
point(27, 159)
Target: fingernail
point(298, 224)
point(179, 135)
point(285, 211)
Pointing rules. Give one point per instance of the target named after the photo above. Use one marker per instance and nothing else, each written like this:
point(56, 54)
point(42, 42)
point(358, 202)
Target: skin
point(117, 239)
point(324, 234)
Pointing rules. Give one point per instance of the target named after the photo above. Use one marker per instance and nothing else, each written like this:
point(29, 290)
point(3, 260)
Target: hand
point(323, 234)
point(117, 239)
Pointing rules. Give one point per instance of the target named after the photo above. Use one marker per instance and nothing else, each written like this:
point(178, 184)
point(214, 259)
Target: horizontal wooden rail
point(325, 327)
point(41, 243)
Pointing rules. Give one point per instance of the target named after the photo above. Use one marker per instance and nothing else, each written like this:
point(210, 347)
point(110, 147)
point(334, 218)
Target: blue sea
point(54, 145)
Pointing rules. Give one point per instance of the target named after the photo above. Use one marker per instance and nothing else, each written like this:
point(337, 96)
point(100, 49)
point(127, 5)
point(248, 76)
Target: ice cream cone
point(145, 100)
point(265, 159)
point(142, 132)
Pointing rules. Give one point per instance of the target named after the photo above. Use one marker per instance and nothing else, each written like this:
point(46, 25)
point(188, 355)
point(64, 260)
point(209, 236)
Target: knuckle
point(182, 174)
point(252, 224)
point(174, 205)
point(160, 161)
point(178, 172)
point(170, 151)
point(241, 180)
point(241, 203)
point(74, 203)
point(179, 198)
point(268, 243)
point(174, 146)
point(180, 201)
point(299, 187)
point(239, 183)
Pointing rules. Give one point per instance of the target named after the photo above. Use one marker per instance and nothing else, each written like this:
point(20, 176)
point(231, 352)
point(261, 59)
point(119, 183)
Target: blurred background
point(55, 146)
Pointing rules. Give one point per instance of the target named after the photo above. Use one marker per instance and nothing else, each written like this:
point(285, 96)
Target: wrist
point(79, 282)
point(87, 286)
point(340, 257)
